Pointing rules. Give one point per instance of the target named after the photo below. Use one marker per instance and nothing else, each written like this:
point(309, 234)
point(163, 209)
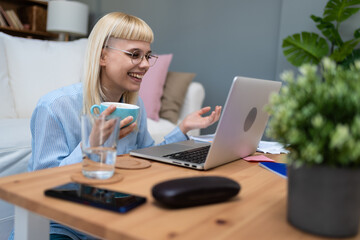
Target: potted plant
point(317, 115)
point(308, 47)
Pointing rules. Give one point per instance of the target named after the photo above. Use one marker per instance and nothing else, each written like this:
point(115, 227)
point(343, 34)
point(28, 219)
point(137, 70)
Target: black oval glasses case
point(193, 191)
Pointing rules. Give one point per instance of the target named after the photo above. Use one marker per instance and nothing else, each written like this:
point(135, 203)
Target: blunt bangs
point(131, 28)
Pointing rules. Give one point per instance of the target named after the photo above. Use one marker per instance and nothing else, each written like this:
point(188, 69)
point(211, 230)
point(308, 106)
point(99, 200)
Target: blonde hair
point(112, 25)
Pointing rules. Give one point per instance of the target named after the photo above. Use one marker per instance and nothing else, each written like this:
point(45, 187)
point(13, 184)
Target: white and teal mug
point(122, 110)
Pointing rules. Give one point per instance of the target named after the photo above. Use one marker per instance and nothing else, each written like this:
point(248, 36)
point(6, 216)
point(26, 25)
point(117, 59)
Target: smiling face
point(118, 73)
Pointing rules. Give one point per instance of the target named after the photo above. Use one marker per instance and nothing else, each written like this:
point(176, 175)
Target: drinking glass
point(99, 137)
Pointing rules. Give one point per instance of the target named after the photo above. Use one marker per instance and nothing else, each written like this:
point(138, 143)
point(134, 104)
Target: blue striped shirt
point(56, 136)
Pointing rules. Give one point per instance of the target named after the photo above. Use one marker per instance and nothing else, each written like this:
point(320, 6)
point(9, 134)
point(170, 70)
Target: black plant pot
point(324, 200)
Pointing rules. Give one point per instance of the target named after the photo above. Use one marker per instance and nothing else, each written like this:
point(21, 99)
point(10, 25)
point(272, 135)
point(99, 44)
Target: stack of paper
point(271, 147)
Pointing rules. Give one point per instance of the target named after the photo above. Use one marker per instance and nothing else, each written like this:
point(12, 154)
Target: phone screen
point(97, 197)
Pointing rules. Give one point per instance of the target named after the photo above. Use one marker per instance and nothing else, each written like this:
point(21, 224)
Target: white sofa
point(31, 68)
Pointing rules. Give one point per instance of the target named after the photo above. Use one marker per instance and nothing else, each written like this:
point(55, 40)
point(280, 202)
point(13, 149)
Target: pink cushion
point(152, 86)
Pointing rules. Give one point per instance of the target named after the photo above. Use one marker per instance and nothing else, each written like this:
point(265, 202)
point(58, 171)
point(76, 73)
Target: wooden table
point(258, 212)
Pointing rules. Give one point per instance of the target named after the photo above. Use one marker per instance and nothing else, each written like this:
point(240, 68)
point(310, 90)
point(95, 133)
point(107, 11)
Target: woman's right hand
point(101, 132)
point(124, 131)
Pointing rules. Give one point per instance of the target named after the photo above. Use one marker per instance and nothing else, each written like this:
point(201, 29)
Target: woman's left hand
point(196, 120)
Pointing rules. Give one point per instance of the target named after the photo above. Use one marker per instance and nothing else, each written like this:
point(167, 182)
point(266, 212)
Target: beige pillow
point(174, 92)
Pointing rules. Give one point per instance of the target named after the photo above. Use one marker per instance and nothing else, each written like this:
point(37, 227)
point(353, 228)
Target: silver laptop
point(238, 133)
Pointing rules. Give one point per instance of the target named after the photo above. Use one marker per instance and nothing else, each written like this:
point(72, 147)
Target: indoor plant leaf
point(346, 49)
point(338, 10)
point(328, 30)
point(355, 55)
point(310, 48)
point(304, 48)
point(357, 33)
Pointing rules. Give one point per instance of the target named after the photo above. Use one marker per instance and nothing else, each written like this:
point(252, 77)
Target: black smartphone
point(97, 197)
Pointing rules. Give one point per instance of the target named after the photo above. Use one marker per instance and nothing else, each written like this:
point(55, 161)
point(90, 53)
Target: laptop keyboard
point(197, 155)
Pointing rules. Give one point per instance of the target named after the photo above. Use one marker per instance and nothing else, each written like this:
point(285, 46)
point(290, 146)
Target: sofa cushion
point(36, 67)
point(152, 86)
point(174, 92)
point(159, 129)
point(8, 109)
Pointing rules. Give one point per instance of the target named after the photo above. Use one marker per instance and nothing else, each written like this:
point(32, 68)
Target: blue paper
point(277, 168)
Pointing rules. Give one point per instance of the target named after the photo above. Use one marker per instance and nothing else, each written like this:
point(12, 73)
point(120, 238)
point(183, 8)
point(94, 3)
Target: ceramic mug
point(122, 110)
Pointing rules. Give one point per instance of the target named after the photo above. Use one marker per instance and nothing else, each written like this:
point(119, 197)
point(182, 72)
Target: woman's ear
point(103, 58)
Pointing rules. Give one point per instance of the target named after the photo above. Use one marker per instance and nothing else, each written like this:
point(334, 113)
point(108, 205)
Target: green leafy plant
point(307, 47)
point(317, 114)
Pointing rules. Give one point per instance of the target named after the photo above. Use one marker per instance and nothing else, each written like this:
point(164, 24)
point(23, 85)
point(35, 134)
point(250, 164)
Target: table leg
point(29, 225)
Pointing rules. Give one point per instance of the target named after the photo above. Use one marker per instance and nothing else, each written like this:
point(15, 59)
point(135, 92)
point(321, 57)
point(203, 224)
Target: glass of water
point(99, 137)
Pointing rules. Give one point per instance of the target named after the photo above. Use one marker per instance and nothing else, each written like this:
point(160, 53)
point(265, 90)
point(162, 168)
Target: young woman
point(118, 55)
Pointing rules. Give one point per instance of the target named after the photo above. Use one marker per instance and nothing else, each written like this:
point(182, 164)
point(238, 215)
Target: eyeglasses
point(138, 55)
